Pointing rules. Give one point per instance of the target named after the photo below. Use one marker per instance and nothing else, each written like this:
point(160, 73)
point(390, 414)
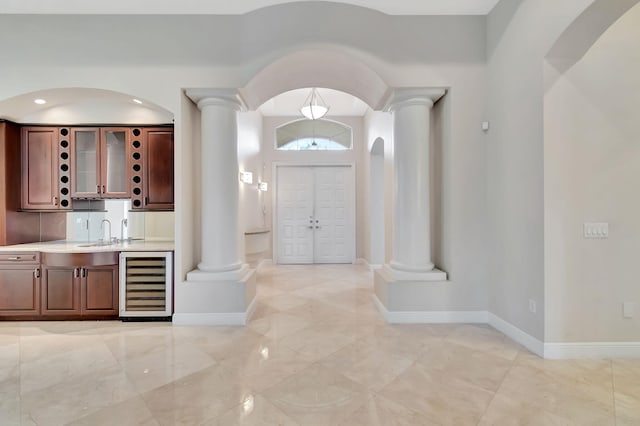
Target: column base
point(216, 298)
point(404, 275)
point(411, 296)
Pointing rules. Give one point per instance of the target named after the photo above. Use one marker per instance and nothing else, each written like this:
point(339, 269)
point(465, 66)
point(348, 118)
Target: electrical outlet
point(532, 306)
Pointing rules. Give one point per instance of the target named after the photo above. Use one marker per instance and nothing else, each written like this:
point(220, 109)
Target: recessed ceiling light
point(138, 101)
point(40, 101)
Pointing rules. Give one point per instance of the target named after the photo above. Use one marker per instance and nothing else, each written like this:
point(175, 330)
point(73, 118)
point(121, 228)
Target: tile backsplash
point(88, 226)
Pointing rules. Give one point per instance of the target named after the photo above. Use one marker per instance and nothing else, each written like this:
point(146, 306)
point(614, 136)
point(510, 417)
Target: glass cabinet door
point(114, 163)
point(86, 165)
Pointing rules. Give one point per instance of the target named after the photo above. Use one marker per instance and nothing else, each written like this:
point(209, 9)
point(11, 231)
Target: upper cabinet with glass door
point(99, 161)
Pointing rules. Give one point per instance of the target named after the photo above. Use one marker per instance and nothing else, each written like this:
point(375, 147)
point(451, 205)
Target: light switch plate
point(596, 230)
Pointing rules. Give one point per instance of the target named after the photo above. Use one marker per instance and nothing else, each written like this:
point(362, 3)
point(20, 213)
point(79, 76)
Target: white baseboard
point(372, 266)
point(264, 262)
point(230, 318)
point(544, 350)
point(430, 317)
point(592, 350)
point(222, 318)
point(517, 335)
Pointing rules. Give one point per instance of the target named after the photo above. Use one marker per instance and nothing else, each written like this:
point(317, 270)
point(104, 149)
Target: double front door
point(315, 221)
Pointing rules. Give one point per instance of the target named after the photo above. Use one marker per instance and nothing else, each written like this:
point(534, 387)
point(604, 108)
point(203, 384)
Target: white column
point(410, 287)
point(222, 290)
point(412, 211)
point(219, 186)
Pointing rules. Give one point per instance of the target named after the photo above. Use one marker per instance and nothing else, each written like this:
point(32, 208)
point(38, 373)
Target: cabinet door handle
point(36, 273)
point(15, 258)
point(146, 200)
point(83, 272)
point(103, 189)
point(98, 188)
point(55, 201)
point(76, 272)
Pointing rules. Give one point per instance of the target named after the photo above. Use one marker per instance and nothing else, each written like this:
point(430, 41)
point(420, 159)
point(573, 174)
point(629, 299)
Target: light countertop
point(64, 246)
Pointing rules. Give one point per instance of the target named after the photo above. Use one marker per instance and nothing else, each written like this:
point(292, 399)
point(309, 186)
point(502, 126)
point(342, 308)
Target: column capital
point(413, 96)
point(230, 98)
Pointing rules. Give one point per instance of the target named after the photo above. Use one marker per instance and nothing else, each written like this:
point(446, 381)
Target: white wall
point(380, 125)
point(250, 159)
point(519, 35)
point(592, 174)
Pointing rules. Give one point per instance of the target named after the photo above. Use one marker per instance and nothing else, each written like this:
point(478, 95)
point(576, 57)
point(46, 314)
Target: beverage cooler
point(146, 285)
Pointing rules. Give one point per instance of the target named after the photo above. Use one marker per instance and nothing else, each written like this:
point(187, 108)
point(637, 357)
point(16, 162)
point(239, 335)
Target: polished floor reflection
point(315, 353)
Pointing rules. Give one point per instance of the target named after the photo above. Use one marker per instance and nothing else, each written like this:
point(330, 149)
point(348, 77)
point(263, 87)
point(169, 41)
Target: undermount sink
point(106, 244)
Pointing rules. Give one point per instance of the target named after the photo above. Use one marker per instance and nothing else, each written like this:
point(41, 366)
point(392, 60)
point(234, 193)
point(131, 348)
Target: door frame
point(274, 201)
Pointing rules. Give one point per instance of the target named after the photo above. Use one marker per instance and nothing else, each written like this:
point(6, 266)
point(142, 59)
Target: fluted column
point(219, 187)
point(412, 213)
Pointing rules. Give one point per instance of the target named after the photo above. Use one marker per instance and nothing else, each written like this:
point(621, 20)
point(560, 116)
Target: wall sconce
point(263, 186)
point(246, 177)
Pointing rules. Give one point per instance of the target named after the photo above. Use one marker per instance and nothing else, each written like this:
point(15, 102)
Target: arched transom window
point(320, 135)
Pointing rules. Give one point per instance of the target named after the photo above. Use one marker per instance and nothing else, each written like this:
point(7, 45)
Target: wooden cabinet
point(60, 291)
point(89, 290)
point(60, 164)
point(15, 226)
point(45, 168)
point(99, 290)
point(19, 285)
point(98, 162)
point(151, 168)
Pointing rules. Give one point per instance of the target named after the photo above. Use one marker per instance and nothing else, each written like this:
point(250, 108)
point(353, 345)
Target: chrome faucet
point(124, 222)
point(102, 228)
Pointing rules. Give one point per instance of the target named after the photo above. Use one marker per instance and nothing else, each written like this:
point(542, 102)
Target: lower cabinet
point(99, 291)
point(60, 291)
point(86, 291)
point(79, 292)
point(19, 291)
point(19, 285)
point(50, 286)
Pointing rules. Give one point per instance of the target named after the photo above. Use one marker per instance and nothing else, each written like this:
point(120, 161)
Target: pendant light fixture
point(314, 107)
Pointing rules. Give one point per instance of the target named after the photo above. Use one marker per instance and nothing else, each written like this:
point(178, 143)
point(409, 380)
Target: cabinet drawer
point(10, 258)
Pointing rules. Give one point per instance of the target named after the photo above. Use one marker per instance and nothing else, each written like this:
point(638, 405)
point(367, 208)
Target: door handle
point(14, 258)
point(83, 272)
point(98, 188)
point(76, 272)
point(55, 201)
point(36, 273)
point(103, 189)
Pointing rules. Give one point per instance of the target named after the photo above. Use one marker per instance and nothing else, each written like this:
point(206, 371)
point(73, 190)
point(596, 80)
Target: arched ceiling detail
point(316, 68)
point(578, 38)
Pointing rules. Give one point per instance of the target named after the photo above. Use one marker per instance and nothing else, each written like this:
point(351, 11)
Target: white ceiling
point(82, 106)
point(236, 7)
point(289, 103)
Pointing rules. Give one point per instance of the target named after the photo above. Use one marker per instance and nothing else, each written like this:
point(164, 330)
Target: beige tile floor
point(315, 353)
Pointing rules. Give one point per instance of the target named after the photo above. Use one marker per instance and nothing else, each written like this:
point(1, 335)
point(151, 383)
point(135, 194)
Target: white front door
point(314, 220)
